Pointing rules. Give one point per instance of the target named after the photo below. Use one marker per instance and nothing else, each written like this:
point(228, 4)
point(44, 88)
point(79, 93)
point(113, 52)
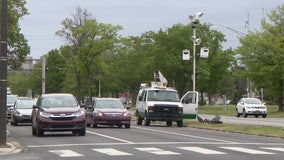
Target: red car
point(58, 112)
point(108, 111)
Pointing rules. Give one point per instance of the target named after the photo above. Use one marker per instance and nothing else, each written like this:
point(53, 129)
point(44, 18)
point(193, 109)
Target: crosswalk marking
point(157, 151)
point(66, 153)
point(246, 150)
point(274, 148)
point(111, 152)
point(201, 150)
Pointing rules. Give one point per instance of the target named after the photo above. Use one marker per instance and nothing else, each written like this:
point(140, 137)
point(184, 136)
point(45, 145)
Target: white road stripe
point(117, 139)
point(112, 152)
point(180, 134)
point(157, 151)
point(201, 150)
point(274, 148)
point(246, 150)
point(66, 153)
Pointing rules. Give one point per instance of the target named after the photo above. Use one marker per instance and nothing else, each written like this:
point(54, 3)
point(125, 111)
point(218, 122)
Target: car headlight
point(17, 113)
point(99, 114)
point(44, 114)
point(79, 113)
point(126, 114)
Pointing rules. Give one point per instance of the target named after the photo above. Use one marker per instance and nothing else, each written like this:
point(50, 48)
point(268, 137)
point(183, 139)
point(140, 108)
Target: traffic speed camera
point(185, 54)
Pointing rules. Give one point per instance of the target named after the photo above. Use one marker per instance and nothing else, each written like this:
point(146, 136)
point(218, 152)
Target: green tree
point(88, 39)
point(17, 47)
point(262, 53)
point(55, 72)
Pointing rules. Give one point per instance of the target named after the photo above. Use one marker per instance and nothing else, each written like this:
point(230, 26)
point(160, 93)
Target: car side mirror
point(140, 98)
point(35, 106)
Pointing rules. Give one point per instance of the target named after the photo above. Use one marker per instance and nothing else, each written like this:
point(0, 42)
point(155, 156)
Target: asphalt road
point(140, 142)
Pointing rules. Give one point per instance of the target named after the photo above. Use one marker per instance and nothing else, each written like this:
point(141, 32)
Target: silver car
point(22, 111)
point(250, 106)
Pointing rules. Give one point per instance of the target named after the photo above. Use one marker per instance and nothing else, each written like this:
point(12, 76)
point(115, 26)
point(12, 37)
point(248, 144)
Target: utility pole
point(3, 71)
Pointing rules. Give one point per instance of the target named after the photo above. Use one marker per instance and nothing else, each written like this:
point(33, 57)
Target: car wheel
point(39, 132)
point(244, 113)
point(33, 131)
point(264, 116)
point(82, 132)
point(94, 125)
point(180, 123)
point(169, 123)
point(15, 123)
point(119, 126)
point(237, 113)
point(256, 116)
point(127, 125)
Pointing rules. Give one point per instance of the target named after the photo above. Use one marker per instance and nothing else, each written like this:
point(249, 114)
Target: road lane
point(146, 142)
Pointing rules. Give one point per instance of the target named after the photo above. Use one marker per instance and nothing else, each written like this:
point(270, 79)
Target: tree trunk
point(280, 104)
point(78, 94)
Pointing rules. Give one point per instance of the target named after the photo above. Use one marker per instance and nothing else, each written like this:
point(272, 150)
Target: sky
point(139, 16)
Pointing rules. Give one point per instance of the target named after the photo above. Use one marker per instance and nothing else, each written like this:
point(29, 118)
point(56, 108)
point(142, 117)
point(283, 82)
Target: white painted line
point(246, 150)
point(180, 134)
point(117, 139)
point(66, 153)
point(274, 148)
point(157, 151)
point(201, 150)
point(111, 152)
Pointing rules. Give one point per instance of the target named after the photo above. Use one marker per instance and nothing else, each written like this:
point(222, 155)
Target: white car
point(250, 106)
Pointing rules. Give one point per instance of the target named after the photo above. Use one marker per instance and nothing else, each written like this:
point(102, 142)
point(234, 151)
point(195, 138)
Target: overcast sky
point(139, 16)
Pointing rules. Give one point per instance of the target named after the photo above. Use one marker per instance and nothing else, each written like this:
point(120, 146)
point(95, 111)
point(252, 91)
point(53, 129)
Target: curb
point(12, 148)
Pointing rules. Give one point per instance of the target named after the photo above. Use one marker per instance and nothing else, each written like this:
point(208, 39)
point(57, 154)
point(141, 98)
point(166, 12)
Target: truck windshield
point(163, 95)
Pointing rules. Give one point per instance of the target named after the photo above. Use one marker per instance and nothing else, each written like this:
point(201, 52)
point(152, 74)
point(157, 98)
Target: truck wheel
point(169, 123)
point(147, 120)
point(139, 120)
point(180, 123)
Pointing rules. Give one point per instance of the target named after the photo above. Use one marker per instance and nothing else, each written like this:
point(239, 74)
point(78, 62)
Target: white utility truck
point(159, 102)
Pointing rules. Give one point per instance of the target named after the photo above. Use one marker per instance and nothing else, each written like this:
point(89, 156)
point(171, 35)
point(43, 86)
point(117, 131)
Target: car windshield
point(59, 101)
point(109, 104)
point(11, 99)
point(26, 104)
point(253, 101)
point(163, 95)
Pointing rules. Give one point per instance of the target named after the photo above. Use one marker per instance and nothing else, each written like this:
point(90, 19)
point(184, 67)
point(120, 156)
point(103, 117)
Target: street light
point(196, 41)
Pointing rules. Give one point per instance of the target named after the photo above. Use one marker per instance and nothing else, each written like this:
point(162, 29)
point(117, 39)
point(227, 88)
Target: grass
point(229, 110)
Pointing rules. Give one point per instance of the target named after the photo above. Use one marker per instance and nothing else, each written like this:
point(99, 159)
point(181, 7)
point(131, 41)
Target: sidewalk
point(11, 147)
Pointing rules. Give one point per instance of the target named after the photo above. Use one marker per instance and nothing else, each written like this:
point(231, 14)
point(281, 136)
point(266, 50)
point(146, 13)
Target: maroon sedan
point(58, 112)
point(108, 111)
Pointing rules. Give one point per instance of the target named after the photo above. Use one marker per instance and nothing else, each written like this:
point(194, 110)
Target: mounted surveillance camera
point(198, 41)
point(193, 38)
point(191, 17)
point(199, 14)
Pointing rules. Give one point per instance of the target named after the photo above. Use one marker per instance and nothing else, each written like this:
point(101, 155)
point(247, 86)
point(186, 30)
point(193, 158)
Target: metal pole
point(43, 75)
point(194, 57)
point(3, 71)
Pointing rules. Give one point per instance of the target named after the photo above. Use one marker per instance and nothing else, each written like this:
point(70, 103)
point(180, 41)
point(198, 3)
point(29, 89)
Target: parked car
point(107, 111)
point(250, 106)
point(22, 111)
point(58, 112)
point(11, 99)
